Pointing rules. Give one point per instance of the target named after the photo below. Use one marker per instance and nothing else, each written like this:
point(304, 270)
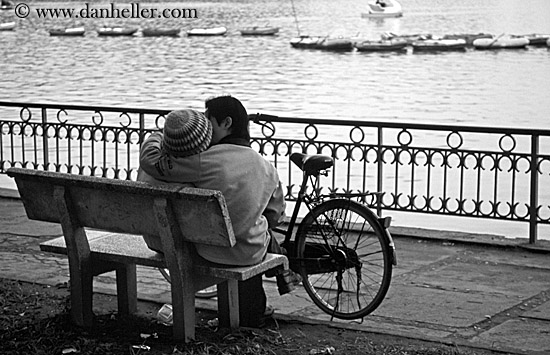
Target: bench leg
point(228, 304)
point(126, 284)
point(183, 307)
point(82, 299)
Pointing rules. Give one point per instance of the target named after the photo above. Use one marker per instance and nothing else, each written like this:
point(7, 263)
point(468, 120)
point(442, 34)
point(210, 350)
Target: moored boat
point(7, 26)
point(501, 43)
point(322, 42)
point(116, 31)
point(534, 38)
point(468, 37)
point(74, 31)
point(381, 45)
point(259, 31)
point(304, 41)
point(383, 8)
point(6, 5)
point(410, 38)
point(336, 44)
point(213, 31)
point(157, 32)
point(439, 45)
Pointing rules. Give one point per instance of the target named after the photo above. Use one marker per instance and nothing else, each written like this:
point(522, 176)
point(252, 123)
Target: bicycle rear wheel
point(344, 258)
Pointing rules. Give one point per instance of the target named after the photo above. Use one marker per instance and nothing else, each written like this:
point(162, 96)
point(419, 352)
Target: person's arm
point(150, 156)
point(161, 166)
point(275, 210)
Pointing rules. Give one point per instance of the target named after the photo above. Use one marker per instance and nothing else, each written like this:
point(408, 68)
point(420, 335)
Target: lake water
point(489, 88)
point(474, 87)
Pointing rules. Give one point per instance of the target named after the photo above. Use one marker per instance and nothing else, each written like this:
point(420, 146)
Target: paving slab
point(541, 312)
point(14, 221)
point(522, 334)
point(442, 307)
point(518, 257)
point(34, 268)
point(475, 275)
point(413, 254)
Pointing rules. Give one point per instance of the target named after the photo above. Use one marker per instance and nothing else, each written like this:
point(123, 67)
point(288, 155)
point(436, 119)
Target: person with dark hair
point(229, 112)
point(249, 183)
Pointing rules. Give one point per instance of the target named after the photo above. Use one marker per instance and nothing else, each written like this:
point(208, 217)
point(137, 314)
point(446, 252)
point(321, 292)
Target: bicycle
point(343, 251)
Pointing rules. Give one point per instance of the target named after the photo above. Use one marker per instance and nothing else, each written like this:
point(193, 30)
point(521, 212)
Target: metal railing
point(478, 172)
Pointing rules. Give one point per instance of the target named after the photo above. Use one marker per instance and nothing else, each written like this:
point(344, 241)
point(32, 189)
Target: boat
point(408, 38)
point(381, 45)
point(213, 31)
point(335, 44)
point(383, 8)
point(322, 42)
point(501, 43)
point(319, 42)
point(74, 31)
point(7, 26)
point(305, 41)
point(439, 45)
point(6, 5)
point(157, 32)
point(468, 37)
point(259, 31)
point(116, 31)
point(534, 38)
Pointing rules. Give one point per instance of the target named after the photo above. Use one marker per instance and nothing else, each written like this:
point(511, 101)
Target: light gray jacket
point(249, 183)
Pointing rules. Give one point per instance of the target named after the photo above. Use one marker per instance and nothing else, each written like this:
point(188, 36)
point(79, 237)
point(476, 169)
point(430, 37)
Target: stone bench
point(103, 221)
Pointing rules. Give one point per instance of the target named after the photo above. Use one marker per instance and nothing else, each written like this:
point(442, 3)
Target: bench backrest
point(195, 215)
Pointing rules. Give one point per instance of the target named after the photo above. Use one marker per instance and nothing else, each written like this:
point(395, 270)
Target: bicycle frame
point(315, 198)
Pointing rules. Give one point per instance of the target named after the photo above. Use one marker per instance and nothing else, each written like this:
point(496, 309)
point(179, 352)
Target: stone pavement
point(492, 294)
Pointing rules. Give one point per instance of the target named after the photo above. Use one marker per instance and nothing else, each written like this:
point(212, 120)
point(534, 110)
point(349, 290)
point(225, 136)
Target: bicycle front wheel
point(344, 258)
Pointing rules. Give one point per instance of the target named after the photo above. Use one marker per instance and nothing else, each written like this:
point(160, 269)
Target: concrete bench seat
point(118, 247)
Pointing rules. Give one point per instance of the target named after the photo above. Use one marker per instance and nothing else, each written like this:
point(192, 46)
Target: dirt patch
point(34, 320)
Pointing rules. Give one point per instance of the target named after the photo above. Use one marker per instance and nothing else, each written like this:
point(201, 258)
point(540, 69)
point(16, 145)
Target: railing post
point(534, 189)
point(380, 173)
point(45, 149)
point(141, 128)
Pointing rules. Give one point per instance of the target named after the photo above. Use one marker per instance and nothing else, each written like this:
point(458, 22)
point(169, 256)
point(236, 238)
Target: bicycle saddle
point(311, 164)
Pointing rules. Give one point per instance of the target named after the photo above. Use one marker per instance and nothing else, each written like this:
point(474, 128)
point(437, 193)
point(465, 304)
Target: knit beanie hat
point(186, 132)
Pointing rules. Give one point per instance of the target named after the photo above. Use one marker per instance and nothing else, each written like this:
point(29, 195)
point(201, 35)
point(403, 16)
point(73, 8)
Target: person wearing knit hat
point(249, 183)
point(186, 132)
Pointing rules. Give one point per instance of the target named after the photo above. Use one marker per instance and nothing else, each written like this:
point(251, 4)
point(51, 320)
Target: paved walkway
point(444, 289)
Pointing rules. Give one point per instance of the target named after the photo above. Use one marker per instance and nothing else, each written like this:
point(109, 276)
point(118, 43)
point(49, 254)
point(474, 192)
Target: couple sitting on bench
point(212, 151)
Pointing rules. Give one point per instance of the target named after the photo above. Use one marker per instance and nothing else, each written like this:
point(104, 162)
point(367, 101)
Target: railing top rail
point(85, 108)
point(312, 121)
point(402, 125)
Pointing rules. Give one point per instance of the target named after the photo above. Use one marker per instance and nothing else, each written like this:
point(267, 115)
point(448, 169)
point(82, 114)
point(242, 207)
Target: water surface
point(472, 87)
